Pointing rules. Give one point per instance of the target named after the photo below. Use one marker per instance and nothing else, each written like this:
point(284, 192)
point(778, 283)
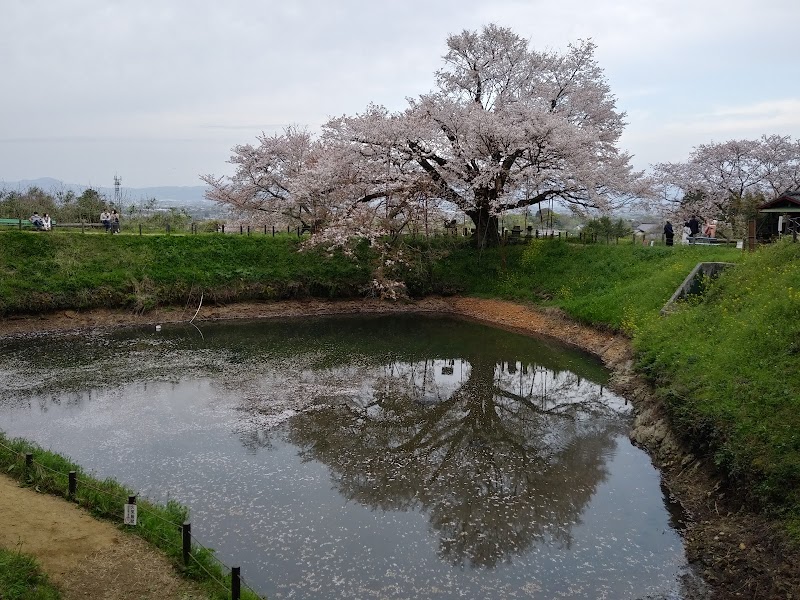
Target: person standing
point(669, 234)
point(694, 226)
point(105, 219)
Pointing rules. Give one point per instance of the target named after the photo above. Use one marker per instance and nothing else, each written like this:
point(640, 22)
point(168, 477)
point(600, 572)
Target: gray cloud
point(160, 91)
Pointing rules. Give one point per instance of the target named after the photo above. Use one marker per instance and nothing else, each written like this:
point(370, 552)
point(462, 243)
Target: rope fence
point(128, 511)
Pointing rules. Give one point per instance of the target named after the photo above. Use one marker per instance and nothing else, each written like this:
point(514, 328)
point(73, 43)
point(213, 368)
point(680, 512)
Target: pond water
point(365, 457)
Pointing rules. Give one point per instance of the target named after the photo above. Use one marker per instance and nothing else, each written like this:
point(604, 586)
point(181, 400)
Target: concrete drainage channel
point(693, 284)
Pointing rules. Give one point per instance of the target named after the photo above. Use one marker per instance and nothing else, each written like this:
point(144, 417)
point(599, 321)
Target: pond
point(365, 457)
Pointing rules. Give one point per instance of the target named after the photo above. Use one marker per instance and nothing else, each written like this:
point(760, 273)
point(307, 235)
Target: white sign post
point(130, 511)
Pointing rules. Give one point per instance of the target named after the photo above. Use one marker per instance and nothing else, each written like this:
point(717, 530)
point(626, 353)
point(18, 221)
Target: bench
point(21, 223)
point(709, 241)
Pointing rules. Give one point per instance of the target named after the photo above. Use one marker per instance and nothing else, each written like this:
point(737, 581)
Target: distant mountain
point(165, 195)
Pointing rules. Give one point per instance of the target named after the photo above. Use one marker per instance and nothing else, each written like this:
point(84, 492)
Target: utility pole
point(117, 198)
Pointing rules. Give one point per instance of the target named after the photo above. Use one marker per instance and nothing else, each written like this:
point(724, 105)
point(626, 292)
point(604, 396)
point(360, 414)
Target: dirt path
point(84, 557)
point(741, 554)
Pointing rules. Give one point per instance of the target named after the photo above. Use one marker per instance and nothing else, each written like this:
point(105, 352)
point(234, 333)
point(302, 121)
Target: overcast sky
point(159, 91)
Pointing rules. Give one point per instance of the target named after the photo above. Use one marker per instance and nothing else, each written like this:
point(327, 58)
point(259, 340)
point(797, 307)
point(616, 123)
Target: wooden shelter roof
point(788, 202)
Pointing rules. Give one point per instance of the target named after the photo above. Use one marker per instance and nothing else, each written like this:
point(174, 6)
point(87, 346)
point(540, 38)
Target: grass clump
point(22, 579)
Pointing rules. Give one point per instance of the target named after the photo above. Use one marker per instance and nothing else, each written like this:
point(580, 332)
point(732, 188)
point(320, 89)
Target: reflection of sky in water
point(519, 482)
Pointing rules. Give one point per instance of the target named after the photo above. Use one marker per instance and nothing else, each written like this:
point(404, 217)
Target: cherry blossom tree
point(506, 127)
point(275, 178)
point(725, 180)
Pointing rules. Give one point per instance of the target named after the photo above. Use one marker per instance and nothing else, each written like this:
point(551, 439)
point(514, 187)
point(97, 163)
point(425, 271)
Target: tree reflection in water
point(499, 456)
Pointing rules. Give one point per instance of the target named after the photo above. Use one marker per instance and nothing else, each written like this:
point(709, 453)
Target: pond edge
point(738, 552)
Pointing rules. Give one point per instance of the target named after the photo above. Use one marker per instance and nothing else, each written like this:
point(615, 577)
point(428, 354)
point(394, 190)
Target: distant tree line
point(605, 227)
point(61, 206)
point(68, 207)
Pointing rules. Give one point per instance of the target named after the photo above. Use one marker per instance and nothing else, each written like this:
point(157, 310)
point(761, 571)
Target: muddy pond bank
point(740, 554)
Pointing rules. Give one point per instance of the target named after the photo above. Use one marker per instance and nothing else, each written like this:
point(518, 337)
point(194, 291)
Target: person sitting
point(36, 221)
point(47, 224)
point(105, 219)
point(114, 218)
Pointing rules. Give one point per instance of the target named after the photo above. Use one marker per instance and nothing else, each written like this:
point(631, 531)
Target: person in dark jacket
point(694, 225)
point(669, 234)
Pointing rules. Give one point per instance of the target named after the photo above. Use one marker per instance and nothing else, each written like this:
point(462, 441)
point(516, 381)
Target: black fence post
point(186, 529)
point(298, 231)
point(28, 464)
point(73, 484)
point(265, 230)
point(236, 583)
point(241, 229)
point(248, 230)
point(273, 231)
point(223, 228)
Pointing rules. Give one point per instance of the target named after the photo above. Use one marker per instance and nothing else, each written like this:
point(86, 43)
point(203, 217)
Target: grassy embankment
point(59, 270)
point(727, 365)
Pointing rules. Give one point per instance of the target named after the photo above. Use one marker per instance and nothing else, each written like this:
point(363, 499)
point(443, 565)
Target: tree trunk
point(486, 234)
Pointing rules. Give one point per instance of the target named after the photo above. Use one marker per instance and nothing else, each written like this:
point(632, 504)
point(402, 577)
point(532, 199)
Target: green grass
point(616, 286)
point(67, 270)
point(728, 367)
point(22, 579)
point(158, 524)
